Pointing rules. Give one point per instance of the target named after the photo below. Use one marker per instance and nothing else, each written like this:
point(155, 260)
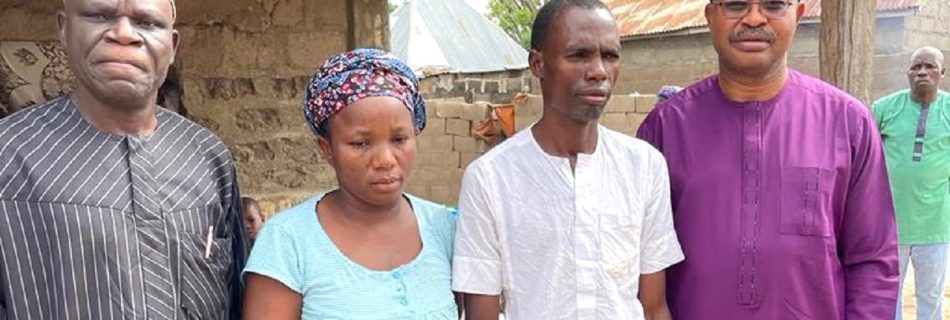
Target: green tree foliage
point(515, 17)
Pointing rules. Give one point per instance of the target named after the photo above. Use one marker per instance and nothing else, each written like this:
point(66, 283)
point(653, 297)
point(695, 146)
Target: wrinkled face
point(253, 221)
point(371, 147)
point(120, 50)
point(579, 63)
point(753, 37)
point(925, 72)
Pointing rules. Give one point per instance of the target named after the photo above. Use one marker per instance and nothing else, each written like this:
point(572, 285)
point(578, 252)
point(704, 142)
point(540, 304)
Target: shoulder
point(519, 146)
point(893, 98)
point(890, 106)
point(296, 216)
point(823, 94)
point(31, 119)
point(438, 215)
point(620, 142)
point(198, 135)
point(690, 96)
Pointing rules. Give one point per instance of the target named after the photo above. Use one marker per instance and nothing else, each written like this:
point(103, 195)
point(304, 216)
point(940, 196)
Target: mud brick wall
point(243, 65)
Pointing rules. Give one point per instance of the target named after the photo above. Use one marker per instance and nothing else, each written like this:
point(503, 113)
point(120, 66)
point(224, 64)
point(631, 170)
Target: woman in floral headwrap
point(366, 250)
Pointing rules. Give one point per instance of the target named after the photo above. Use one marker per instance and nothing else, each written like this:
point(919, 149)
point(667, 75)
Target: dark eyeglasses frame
point(733, 14)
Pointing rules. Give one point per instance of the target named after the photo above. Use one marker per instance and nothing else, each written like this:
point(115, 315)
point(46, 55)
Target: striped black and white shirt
point(101, 226)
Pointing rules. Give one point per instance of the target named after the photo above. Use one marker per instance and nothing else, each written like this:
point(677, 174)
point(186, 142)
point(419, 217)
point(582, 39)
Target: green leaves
point(515, 17)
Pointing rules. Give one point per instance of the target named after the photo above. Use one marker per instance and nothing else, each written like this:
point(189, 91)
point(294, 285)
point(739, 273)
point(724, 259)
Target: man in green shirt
point(915, 129)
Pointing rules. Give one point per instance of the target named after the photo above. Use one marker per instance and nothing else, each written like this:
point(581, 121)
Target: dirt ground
point(910, 307)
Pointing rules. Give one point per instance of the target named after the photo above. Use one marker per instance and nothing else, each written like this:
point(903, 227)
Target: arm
point(459, 302)
point(482, 307)
point(650, 132)
point(653, 296)
point(269, 299)
point(867, 238)
point(239, 247)
point(476, 265)
point(660, 248)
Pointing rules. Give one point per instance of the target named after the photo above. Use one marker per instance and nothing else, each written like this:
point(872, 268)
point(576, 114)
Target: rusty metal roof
point(644, 17)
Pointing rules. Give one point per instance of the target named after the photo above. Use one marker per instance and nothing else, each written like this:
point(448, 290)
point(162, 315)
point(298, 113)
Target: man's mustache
point(746, 34)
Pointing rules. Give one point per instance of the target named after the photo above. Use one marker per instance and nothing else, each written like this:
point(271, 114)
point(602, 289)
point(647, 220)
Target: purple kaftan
point(782, 207)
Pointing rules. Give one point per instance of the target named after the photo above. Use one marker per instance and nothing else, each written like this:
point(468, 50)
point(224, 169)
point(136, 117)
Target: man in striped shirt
point(111, 207)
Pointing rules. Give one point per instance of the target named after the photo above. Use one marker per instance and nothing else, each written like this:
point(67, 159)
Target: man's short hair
point(542, 22)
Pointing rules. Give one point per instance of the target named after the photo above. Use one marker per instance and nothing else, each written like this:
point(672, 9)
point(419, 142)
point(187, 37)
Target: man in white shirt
point(569, 220)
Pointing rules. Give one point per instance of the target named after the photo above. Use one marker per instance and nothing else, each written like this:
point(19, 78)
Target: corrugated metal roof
point(643, 17)
point(450, 35)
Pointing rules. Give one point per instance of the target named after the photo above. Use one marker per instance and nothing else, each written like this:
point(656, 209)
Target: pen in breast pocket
point(208, 243)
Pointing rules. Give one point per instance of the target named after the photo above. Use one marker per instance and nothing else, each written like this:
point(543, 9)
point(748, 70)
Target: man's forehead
point(170, 2)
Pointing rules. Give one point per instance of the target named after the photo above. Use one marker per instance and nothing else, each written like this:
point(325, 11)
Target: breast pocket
point(206, 272)
point(206, 279)
point(806, 208)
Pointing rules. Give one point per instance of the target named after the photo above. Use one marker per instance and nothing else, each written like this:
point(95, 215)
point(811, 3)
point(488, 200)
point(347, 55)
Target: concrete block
point(621, 103)
point(449, 109)
point(425, 176)
point(646, 103)
point(468, 144)
point(435, 142)
point(492, 86)
point(530, 107)
point(522, 123)
point(415, 188)
point(466, 158)
point(446, 195)
point(635, 120)
point(615, 120)
point(434, 125)
point(475, 112)
point(458, 127)
point(514, 85)
point(438, 160)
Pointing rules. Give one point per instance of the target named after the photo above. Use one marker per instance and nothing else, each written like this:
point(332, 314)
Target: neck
point(364, 214)
point(923, 96)
point(564, 138)
point(121, 120)
point(741, 87)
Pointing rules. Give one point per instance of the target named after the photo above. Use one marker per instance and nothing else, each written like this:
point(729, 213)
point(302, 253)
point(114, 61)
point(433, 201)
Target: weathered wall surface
point(243, 65)
point(930, 27)
point(648, 64)
point(493, 87)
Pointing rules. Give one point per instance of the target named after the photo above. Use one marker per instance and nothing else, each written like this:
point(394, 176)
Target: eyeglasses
point(772, 9)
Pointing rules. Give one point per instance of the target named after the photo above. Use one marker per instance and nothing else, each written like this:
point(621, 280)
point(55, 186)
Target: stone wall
point(650, 63)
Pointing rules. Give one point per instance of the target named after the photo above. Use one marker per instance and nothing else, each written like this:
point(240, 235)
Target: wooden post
point(847, 45)
point(368, 22)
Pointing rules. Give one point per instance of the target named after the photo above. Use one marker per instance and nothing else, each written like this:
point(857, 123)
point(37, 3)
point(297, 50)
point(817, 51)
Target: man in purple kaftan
point(779, 188)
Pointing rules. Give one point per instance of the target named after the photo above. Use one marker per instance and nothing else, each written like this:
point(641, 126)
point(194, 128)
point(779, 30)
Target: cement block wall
point(447, 145)
point(493, 87)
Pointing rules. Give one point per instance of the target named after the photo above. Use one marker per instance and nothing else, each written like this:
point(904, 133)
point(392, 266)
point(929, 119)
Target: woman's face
point(371, 147)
